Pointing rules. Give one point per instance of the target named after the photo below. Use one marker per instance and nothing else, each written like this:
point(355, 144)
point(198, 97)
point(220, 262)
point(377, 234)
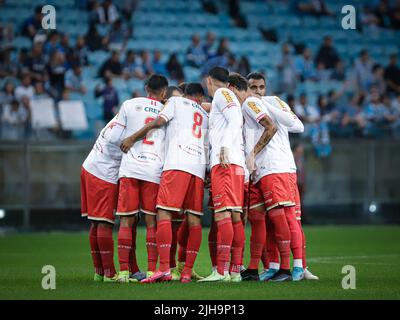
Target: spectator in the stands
point(223, 47)
point(66, 48)
point(25, 89)
point(368, 19)
point(56, 70)
point(52, 44)
point(107, 13)
point(73, 80)
point(7, 92)
point(112, 67)
point(37, 62)
point(14, 119)
point(195, 55)
point(209, 45)
point(158, 65)
point(321, 73)
point(377, 79)
point(363, 70)
point(94, 40)
point(339, 73)
point(23, 61)
point(7, 67)
point(327, 54)
point(80, 52)
point(34, 23)
point(243, 66)
point(395, 16)
point(305, 66)
point(40, 91)
point(392, 76)
point(381, 12)
point(375, 115)
point(313, 7)
point(175, 69)
point(286, 70)
point(145, 62)
point(118, 36)
point(110, 99)
point(131, 68)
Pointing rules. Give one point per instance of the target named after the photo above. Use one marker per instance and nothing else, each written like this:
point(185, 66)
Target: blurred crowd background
point(341, 83)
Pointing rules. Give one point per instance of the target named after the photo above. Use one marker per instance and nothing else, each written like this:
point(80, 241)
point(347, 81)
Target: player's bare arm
point(269, 131)
point(128, 142)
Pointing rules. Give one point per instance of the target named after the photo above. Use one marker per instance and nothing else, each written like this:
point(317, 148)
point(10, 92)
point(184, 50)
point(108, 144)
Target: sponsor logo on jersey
point(191, 149)
point(227, 96)
point(147, 157)
point(149, 109)
point(254, 107)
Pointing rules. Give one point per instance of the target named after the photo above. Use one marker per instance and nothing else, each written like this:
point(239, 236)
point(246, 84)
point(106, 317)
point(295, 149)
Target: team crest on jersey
point(227, 96)
point(186, 103)
point(138, 108)
point(254, 107)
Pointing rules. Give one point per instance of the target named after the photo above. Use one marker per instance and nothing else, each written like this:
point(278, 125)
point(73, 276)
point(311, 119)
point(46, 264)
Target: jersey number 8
point(197, 122)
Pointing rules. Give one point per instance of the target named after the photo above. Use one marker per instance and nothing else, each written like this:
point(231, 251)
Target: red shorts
point(252, 197)
point(181, 190)
point(136, 195)
point(275, 190)
point(98, 198)
point(227, 188)
point(296, 194)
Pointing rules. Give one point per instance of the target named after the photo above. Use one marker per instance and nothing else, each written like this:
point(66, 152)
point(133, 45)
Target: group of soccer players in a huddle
point(158, 155)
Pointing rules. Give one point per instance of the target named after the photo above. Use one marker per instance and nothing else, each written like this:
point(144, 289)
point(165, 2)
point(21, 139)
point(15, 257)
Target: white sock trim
point(298, 263)
point(274, 265)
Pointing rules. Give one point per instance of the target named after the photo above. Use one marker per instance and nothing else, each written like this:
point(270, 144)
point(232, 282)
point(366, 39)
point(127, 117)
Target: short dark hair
point(255, 76)
point(194, 89)
point(182, 86)
point(170, 91)
point(238, 81)
point(156, 82)
point(219, 73)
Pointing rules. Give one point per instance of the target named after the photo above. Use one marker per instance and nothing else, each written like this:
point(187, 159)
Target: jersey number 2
point(145, 140)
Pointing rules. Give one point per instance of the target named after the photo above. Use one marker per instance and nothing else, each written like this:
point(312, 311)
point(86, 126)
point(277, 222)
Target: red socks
point(106, 245)
point(124, 247)
point(151, 244)
point(224, 243)
point(174, 244)
point(212, 243)
point(237, 246)
point(282, 235)
point(295, 233)
point(96, 256)
point(183, 235)
point(258, 237)
point(303, 245)
point(133, 266)
point(164, 239)
point(192, 248)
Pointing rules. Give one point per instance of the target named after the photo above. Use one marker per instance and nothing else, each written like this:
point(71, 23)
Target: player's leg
point(176, 223)
point(127, 210)
point(295, 243)
point(94, 248)
point(212, 238)
point(227, 191)
point(151, 243)
point(257, 241)
point(96, 256)
point(148, 200)
point(101, 202)
point(272, 264)
point(275, 192)
point(183, 234)
point(237, 246)
point(193, 245)
point(106, 246)
point(171, 194)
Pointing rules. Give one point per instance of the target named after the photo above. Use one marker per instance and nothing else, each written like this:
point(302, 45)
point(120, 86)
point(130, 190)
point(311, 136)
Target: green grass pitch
point(374, 251)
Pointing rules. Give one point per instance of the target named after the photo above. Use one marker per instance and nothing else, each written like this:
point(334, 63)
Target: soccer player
point(287, 122)
point(182, 181)
point(258, 132)
point(99, 193)
point(140, 173)
point(227, 163)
